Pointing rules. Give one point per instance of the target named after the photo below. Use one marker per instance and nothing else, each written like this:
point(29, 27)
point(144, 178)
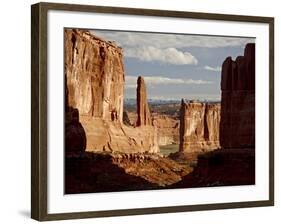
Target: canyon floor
point(108, 172)
point(87, 172)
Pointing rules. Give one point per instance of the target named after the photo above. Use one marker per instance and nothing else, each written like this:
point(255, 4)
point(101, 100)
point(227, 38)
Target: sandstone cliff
point(94, 77)
point(199, 126)
point(237, 127)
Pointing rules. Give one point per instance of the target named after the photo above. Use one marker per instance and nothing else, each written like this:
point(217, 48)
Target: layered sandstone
point(199, 126)
point(237, 129)
point(168, 129)
point(94, 77)
point(167, 126)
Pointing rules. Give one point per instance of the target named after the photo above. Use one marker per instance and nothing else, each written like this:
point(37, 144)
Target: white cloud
point(137, 39)
point(131, 86)
point(167, 55)
point(214, 69)
point(131, 81)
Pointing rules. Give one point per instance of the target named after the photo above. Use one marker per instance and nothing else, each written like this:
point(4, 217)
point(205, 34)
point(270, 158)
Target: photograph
point(155, 111)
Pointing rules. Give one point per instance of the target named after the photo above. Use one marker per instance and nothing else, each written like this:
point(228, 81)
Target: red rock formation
point(95, 79)
point(94, 74)
point(167, 126)
point(237, 129)
point(199, 126)
point(144, 117)
point(168, 129)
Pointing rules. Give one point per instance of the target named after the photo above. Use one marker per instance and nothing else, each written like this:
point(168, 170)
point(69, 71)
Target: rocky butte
point(199, 126)
point(237, 128)
point(94, 78)
point(234, 163)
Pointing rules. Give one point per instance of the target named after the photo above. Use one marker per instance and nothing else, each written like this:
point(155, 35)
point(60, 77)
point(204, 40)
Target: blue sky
point(175, 66)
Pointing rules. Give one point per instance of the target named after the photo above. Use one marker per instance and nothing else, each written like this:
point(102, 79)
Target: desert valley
point(114, 143)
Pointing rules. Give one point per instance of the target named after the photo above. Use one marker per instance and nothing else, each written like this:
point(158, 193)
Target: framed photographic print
point(138, 111)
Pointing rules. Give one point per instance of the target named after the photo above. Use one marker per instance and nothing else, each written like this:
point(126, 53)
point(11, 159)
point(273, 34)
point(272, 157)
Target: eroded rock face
point(199, 126)
point(168, 129)
point(116, 137)
point(144, 117)
point(94, 77)
point(238, 100)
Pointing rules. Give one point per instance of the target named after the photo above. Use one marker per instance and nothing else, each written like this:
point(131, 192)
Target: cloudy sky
point(175, 66)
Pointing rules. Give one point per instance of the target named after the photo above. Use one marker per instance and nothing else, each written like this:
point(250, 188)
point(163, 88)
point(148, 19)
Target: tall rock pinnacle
point(144, 117)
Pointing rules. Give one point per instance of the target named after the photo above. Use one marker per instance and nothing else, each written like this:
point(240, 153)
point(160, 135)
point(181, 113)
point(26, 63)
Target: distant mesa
point(199, 126)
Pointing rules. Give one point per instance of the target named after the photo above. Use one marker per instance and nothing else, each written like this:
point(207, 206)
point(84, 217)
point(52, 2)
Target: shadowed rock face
point(223, 167)
point(237, 127)
point(199, 126)
point(104, 172)
point(75, 136)
point(94, 77)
